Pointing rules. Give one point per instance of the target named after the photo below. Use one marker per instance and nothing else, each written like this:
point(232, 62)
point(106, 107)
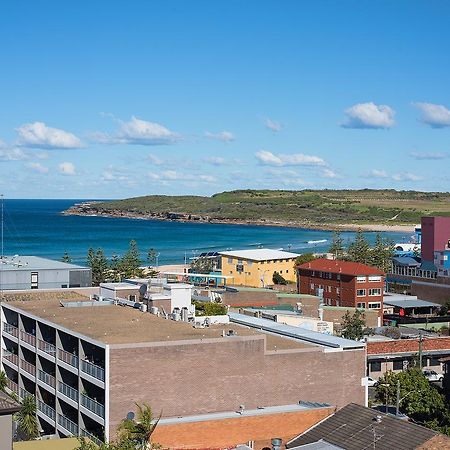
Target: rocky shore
point(90, 209)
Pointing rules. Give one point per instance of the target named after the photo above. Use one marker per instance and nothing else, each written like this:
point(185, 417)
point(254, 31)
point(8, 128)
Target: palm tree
point(27, 423)
point(3, 381)
point(139, 431)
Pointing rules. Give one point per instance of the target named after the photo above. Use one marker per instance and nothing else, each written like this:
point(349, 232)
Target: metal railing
point(90, 436)
point(46, 378)
point(28, 338)
point(68, 425)
point(68, 358)
point(24, 393)
point(46, 347)
point(93, 405)
point(46, 409)
point(11, 329)
point(68, 391)
point(93, 370)
point(28, 367)
point(12, 386)
point(12, 358)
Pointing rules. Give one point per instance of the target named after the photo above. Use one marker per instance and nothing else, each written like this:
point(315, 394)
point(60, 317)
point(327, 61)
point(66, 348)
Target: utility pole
point(397, 405)
point(420, 350)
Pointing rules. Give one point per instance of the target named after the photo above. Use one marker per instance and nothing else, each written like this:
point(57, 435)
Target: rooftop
point(260, 254)
point(112, 324)
point(17, 262)
point(8, 405)
point(409, 303)
point(343, 267)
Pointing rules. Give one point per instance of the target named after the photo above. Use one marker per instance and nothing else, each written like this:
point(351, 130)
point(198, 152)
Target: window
point(434, 362)
point(375, 291)
point(375, 305)
point(374, 278)
point(360, 279)
point(132, 297)
point(230, 260)
point(375, 366)
point(361, 305)
point(312, 285)
point(397, 364)
point(287, 271)
point(360, 292)
point(338, 277)
point(34, 280)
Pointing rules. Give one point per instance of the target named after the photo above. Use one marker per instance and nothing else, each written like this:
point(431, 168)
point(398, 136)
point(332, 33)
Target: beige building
point(255, 268)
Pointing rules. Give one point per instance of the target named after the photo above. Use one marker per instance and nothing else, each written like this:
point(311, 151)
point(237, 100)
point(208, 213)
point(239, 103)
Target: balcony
point(93, 405)
point(46, 347)
point(11, 357)
point(68, 358)
point(90, 436)
point(28, 338)
point(68, 425)
point(46, 409)
point(24, 393)
point(28, 367)
point(12, 386)
point(47, 378)
point(68, 391)
point(11, 330)
point(93, 370)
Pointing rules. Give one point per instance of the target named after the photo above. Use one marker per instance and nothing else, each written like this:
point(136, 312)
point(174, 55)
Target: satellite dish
point(130, 415)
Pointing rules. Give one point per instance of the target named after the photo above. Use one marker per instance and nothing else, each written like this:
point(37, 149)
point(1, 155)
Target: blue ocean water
point(36, 227)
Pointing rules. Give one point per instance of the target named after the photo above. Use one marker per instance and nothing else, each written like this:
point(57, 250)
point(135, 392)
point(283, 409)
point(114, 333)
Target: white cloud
point(37, 167)
point(375, 173)
point(224, 136)
point(273, 125)
point(11, 153)
point(293, 159)
point(437, 116)
point(215, 160)
point(369, 115)
point(172, 175)
point(429, 155)
point(329, 173)
point(406, 176)
point(67, 168)
point(39, 135)
point(138, 132)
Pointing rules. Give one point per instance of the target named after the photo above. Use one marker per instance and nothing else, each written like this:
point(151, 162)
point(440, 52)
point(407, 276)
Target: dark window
point(398, 365)
point(434, 362)
point(375, 366)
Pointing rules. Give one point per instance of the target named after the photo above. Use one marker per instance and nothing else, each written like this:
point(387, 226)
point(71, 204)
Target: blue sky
point(112, 99)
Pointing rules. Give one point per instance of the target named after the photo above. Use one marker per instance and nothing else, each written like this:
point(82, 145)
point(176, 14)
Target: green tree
point(337, 245)
point(381, 253)
point(66, 258)
point(123, 444)
point(359, 249)
point(3, 381)
point(139, 430)
point(27, 423)
point(131, 261)
point(278, 279)
point(302, 259)
point(353, 325)
point(152, 256)
point(202, 265)
point(99, 265)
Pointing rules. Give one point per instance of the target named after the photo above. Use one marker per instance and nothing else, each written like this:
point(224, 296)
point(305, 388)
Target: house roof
point(17, 262)
point(406, 261)
point(344, 267)
point(8, 405)
point(260, 254)
point(355, 427)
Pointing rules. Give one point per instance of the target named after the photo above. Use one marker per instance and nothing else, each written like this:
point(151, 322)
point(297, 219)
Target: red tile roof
point(344, 267)
point(407, 346)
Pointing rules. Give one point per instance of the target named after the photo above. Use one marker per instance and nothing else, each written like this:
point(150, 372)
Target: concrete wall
point(197, 377)
point(432, 291)
point(6, 432)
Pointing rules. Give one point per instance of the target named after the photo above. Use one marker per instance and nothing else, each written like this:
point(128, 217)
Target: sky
point(114, 99)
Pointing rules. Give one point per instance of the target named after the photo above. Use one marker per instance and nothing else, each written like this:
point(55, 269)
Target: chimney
point(276, 443)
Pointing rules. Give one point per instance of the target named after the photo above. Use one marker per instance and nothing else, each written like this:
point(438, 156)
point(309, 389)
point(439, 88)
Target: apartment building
point(88, 363)
point(342, 283)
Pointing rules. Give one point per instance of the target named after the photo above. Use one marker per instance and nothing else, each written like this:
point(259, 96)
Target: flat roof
point(113, 324)
point(410, 303)
point(17, 262)
point(120, 285)
point(196, 275)
point(260, 254)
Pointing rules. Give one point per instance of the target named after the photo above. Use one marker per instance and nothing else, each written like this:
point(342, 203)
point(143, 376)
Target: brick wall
point(194, 377)
point(431, 291)
point(228, 433)
point(407, 345)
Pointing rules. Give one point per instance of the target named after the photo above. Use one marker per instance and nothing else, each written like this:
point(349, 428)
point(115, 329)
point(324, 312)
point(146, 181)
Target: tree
point(66, 258)
point(337, 245)
point(99, 265)
point(381, 253)
point(278, 279)
point(202, 265)
point(152, 256)
point(353, 325)
point(359, 249)
point(3, 381)
point(26, 419)
point(302, 259)
point(123, 444)
point(139, 431)
point(131, 261)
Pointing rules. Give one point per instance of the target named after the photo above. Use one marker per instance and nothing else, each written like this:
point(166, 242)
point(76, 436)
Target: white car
point(431, 375)
point(371, 382)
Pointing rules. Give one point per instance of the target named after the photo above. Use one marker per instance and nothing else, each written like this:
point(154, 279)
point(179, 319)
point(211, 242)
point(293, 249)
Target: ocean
point(36, 227)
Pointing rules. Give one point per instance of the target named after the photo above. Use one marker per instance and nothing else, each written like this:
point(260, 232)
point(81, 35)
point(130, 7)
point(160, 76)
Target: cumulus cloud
point(294, 159)
point(215, 160)
point(224, 136)
point(273, 125)
point(429, 155)
point(67, 168)
point(138, 132)
point(39, 135)
point(369, 115)
point(172, 175)
point(406, 176)
point(375, 173)
point(37, 167)
point(437, 116)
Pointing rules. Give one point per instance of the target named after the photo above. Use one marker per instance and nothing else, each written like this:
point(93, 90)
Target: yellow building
point(255, 268)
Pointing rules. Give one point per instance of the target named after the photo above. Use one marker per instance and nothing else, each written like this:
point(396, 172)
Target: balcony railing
point(93, 370)
point(28, 338)
point(90, 436)
point(46, 347)
point(12, 386)
point(11, 329)
point(28, 367)
point(68, 391)
point(93, 405)
point(46, 378)
point(24, 393)
point(68, 425)
point(68, 358)
point(46, 409)
point(12, 358)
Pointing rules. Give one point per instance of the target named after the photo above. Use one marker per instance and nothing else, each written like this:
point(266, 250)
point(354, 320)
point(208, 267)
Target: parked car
point(371, 382)
point(431, 375)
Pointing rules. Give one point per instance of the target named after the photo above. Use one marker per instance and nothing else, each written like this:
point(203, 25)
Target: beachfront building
point(255, 268)
point(32, 272)
point(343, 283)
point(88, 363)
